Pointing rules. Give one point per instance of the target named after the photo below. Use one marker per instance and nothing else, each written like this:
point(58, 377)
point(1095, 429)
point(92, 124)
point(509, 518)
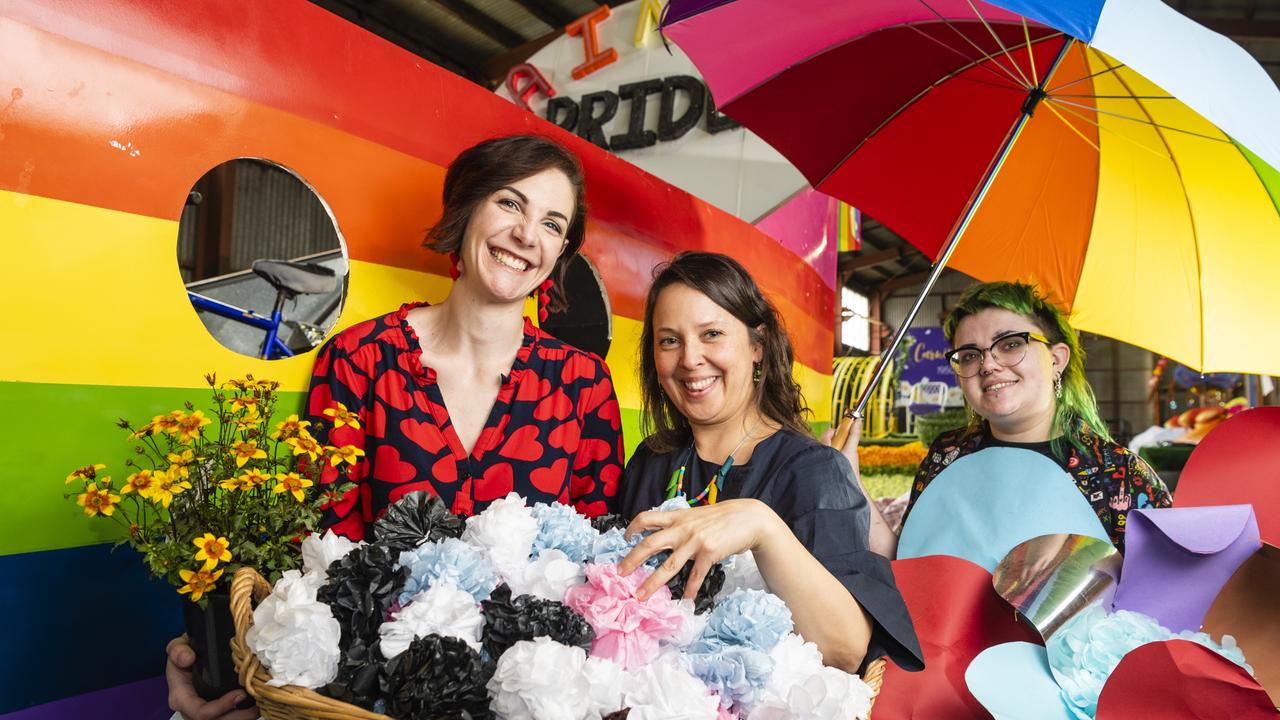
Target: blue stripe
point(1077, 18)
point(80, 620)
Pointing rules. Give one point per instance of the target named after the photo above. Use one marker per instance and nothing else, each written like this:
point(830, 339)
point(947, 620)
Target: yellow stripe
point(95, 298)
point(1178, 218)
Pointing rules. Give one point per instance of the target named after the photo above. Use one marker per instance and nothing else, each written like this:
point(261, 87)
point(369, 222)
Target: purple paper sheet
point(1178, 559)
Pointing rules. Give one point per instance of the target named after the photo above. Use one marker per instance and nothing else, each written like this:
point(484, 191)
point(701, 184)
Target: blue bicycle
point(290, 279)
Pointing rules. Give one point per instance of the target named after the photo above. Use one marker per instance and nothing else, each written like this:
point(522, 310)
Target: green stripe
point(52, 429)
point(1269, 176)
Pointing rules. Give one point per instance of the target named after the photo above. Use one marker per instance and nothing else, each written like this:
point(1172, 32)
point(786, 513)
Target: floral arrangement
point(520, 613)
point(890, 459)
point(204, 494)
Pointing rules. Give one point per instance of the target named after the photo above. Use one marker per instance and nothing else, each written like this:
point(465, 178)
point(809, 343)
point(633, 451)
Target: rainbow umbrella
point(1113, 151)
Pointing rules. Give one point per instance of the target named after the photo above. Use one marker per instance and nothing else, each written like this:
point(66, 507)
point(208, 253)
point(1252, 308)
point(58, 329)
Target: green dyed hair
point(1076, 412)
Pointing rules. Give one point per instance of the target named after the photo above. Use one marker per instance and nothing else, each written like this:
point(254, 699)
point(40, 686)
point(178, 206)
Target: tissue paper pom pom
point(627, 630)
point(358, 673)
point(562, 528)
point(505, 530)
point(710, 587)
point(442, 610)
point(607, 522)
point(663, 690)
point(414, 519)
point(1089, 646)
point(437, 677)
point(294, 635)
point(548, 577)
point(612, 546)
point(741, 573)
point(540, 680)
point(509, 620)
point(605, 680)
point(360, 589)
point(675, 503)
point(830, 693)
point(737, 673)
point(319, 552)
point(747, 617)
point(447, 560)
point(794, 661)
point(692, 625)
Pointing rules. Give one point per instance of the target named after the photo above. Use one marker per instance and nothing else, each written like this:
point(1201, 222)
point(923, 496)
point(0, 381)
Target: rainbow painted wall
point(109, 112)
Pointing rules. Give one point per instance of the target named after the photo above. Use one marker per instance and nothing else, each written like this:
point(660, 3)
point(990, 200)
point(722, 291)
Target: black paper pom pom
point(618, 715)
point(360, 589)
point(357, 681)
point(605, 523)
point(414, 519)
point(711, 585)
point(509, 620)
point(437, 678)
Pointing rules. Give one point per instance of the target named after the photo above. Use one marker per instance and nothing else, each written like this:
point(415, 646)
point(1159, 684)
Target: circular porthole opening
point(264, 265)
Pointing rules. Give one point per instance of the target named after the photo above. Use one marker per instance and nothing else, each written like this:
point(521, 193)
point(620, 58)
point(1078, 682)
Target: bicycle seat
point(297, 278)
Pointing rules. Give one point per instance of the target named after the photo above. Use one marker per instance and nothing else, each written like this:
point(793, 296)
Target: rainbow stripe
point(100, 327)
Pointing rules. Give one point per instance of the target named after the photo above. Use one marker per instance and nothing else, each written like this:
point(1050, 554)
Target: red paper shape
point(957, 614)
point(1181, 679)
point(1235, 464)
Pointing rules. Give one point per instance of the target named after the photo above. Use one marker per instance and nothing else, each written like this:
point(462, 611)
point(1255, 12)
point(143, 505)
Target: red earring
point(544, 299)
point(453, 266)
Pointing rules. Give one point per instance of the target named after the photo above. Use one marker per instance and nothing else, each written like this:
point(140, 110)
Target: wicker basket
point(248, 588)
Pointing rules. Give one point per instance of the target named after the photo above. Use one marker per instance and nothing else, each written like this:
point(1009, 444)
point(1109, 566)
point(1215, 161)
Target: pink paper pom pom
point(627, 630)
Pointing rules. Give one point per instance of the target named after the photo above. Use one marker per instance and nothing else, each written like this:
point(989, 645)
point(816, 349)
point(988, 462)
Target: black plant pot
point(210, 630)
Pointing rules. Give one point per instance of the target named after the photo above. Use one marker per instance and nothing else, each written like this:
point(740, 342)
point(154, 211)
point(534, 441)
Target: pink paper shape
point(1178, 559)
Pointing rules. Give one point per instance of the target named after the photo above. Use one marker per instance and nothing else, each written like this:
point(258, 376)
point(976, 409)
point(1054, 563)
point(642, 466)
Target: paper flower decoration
point(605, 679)
point(830, 693)
point(506, 530)
point(611, 521)
point(549, 576)
point(737, 673)
point(414, 519)
point(662, 690)
point(1085, 651)
point(562, 528)
point(443, 610)
point(357, 680)
point(741, 573)
point(437, 677)
point(360, 589)
point(627, 630)
point(612, 546)
point(540, 680)
point(319, 552)
point(448, 560)
point(294, 635)
point(709, 588)
point(747, 617)
point(794, 661)
point(691, 626)
point(524, 617)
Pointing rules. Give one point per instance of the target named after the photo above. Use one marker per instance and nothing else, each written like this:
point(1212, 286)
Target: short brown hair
point(728, 284)
point(481, 170)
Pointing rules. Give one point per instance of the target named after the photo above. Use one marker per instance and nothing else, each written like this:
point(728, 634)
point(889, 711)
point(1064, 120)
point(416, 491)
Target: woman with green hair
point(1021, 368)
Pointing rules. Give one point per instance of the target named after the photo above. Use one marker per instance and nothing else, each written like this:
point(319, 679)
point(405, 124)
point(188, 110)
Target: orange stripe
point(1036, 221)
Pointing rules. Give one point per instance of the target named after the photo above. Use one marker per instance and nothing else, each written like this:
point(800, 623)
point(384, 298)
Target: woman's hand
point(182, 691)
point(848, 448)
point(705, 535)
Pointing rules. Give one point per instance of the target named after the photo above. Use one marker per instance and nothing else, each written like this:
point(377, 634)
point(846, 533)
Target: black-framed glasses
point(1007, 351)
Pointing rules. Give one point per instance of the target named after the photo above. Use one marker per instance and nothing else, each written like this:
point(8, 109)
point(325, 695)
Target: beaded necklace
point(709, 494)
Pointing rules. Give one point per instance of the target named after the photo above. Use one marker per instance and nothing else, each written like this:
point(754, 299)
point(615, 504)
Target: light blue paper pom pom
point(449, 559)
point(737, 673)
point(1085, 651)
point(562, 528)
point(752, 618)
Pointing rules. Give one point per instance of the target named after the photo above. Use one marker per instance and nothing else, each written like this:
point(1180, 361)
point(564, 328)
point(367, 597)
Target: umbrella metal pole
point(1034, 96)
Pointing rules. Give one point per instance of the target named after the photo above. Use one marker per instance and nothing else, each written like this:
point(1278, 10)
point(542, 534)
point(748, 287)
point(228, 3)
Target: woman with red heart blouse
point(466, 399)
